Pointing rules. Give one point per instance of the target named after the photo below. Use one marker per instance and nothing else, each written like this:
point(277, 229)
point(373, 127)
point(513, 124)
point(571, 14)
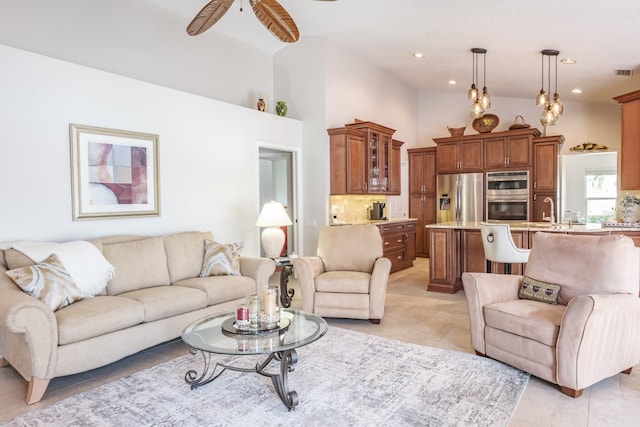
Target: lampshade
point(273, 216)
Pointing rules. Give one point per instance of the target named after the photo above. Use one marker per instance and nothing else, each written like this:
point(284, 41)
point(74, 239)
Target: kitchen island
point(456, 247)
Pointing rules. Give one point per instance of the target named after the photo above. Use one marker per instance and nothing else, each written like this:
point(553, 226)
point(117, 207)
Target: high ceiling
point(601, 36)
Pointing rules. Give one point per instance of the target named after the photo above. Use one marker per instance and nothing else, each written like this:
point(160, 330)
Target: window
point(601, 189)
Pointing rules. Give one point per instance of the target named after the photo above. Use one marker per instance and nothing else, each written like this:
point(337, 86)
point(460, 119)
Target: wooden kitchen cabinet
point(364, 159)
point(347, 161)
point(422, 193)
point(444, 269)
point(512, 152)
point(459, 156)
point(630, 141)
point(399, 243)
point(545, 178)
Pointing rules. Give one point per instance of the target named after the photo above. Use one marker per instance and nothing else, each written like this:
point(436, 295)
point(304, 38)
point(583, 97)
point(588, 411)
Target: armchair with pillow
point(573, 320)
point(348, 277)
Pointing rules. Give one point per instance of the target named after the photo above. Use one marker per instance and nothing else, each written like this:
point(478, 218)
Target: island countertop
point(542, 226)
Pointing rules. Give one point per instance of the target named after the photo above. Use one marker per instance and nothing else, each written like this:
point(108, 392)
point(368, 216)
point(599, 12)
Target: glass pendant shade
point(476, 109)
point(556, 105)
point(485, 100)
point(548, 118)
point(542, 98)
point(473, 92)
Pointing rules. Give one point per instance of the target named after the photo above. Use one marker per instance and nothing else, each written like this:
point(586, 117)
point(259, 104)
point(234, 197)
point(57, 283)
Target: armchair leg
point(37, 387)
point(571, 392)
point(627, 371)
point(375, 321)
point(480, 354)
point(3, 362)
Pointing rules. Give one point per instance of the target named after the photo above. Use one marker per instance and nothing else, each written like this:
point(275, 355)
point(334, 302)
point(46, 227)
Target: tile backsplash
point(352, 208)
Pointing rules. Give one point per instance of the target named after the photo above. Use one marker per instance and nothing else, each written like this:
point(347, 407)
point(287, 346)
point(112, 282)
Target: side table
point(286, 270)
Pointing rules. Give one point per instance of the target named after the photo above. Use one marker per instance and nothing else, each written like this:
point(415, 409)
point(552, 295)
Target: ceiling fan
point(270, 13)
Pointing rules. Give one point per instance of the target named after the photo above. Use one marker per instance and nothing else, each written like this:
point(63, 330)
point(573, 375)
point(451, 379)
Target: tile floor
point(412, 314)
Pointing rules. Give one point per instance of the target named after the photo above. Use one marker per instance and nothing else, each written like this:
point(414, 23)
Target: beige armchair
point(592, 333)
point(348, 277)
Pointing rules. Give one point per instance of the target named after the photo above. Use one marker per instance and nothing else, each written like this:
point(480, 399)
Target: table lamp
point(273, 216)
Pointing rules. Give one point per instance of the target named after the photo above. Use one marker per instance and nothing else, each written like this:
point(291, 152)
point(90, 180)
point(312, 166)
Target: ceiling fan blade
point(209, 15)
point(276, 19)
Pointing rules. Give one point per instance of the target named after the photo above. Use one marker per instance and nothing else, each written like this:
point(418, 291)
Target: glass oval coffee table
point(211, 336)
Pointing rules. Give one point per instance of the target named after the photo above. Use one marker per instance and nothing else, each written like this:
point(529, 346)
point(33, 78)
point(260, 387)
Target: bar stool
point(499, 246)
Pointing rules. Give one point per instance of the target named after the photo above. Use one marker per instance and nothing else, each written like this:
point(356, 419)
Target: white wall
point(208, 151)
point(140, 40)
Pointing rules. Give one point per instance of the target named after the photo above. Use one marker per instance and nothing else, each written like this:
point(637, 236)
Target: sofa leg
point(37, 387)
point(480, 354)
point(3, 362)
point(375, 321)
point(571, 392)
point(627, 371)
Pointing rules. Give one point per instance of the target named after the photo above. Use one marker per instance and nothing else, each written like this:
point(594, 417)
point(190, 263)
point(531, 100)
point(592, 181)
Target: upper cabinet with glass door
point(380, 159)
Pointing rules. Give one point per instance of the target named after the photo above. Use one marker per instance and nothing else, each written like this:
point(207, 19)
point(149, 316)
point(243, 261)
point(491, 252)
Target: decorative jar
point(629, 210)
point(281, 108)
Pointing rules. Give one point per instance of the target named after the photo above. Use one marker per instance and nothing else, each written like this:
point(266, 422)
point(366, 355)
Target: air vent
point(625, 73)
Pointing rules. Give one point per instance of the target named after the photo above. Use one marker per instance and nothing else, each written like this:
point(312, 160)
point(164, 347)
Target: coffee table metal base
point(213, 370)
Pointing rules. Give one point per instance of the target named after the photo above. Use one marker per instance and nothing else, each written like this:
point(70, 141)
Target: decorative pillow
point(47, 281)
point(538, 291)
point(221, 260)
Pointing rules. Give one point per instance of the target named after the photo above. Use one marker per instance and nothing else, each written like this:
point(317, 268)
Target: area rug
point(344, 379)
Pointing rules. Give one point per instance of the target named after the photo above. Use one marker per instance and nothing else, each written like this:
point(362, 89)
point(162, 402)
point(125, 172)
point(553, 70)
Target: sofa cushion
point(139, 264)
point(537, 290)
point(16, 259)
point(97, 316)
point(584, 264)
point(221, 259)
point(165, 301)
point(351, 282)
point(221, 289)
point(185, 252)
point(47, 281)
point(526, 318)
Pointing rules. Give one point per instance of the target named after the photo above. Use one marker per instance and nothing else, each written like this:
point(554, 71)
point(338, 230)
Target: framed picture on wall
point(114, 173)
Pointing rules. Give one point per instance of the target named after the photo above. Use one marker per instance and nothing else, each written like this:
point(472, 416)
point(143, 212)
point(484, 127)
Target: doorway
point(277, 183)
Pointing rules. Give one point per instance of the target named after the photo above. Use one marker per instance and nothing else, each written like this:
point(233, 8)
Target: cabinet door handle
point(399, 240)
point(399, 257)
point(386, 243)
point(508, 161)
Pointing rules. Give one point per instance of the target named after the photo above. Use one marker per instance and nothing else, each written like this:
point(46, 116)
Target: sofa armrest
point(28, 332)
point(378, 287)
point(260, 269)
point(307, 269)
point(599, 337)
point(482, 289)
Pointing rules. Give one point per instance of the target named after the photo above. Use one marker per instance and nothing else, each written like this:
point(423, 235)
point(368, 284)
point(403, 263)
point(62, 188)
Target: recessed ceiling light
point(568, 61)
point(576, 90)
point(418, 55)
point(452, 82)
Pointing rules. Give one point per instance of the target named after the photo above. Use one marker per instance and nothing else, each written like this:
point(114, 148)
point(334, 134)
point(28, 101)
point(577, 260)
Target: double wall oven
point(507, 196)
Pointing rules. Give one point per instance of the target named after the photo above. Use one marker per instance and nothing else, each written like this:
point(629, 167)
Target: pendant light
point(552, 108)
point(480, 102)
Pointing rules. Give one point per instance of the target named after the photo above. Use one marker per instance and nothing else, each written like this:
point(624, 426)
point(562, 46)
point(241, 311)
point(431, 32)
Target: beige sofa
point(155, 294)
point(592, 333)
point(348, 277)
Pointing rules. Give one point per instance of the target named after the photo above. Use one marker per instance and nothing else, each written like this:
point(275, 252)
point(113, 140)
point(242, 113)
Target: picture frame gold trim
point(114, 173)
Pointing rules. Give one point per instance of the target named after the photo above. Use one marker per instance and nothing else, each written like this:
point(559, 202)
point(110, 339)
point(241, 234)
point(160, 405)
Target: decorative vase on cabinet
point(281, 108)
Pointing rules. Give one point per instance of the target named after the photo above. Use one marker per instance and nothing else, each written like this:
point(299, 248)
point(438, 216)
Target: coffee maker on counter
point(376, 211)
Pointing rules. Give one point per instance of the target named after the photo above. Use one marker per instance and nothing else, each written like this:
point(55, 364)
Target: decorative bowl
point(486, 123)
point(456, 131)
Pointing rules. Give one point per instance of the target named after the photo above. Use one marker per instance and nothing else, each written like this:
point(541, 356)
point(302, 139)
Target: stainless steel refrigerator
point(460, 197)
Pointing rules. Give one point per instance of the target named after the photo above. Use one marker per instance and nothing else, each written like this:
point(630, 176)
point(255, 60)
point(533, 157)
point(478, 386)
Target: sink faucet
point(552, 217)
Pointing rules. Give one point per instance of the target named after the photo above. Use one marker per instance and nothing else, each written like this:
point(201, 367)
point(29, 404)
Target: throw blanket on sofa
point(84, 262)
